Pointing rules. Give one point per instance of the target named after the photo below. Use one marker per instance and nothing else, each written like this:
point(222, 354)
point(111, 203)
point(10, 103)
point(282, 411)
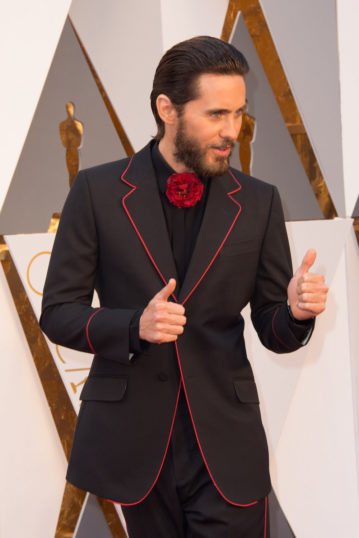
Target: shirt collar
point(162, 169)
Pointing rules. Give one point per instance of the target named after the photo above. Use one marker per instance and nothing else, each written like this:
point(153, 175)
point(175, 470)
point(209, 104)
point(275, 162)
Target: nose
point(231, 127)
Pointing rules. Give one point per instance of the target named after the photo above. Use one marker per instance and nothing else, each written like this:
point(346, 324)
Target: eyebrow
point(226, 110)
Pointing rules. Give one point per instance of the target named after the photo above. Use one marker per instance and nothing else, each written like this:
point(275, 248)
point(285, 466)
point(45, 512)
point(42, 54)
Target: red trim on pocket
point(265, 516)
point(135, 227)
point(87, 330)
point(225, 237)
point(199, 444)
point(275, 334)
point(163, 460)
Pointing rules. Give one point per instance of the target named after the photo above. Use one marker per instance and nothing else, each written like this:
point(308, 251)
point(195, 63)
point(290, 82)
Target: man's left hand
point(307, 292)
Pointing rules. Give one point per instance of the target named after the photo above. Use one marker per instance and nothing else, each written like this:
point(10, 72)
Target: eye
point(216, 113)
point(240, 112)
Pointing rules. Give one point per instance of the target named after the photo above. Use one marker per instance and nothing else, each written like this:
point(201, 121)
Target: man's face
point(208, 126)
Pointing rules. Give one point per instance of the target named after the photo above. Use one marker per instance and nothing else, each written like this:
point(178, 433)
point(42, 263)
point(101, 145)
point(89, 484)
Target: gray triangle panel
point(356, 209)
point(40, 182)
point(279, 526)
point(274, 156)
point(92, 523)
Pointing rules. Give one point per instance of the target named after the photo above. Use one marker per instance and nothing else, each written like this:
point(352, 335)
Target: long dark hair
point(179, 68)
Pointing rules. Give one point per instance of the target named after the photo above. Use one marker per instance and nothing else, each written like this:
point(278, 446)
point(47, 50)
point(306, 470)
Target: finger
point(166, 291)
point(164, 318)
point(164, 338)
point(312, 298)
point(163, 308)
point(175, 309)
point(173, 319)
point(167, 328)
point(311, 287)
point(307, 262)
point(313, 308)
point(311, 280)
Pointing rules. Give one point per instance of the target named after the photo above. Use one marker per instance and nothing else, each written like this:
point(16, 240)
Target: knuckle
point(158, 337)
point(158, 316)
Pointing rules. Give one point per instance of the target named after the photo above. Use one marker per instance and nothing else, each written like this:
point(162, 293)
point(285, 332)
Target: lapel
point(143, 207)
point(221, 213)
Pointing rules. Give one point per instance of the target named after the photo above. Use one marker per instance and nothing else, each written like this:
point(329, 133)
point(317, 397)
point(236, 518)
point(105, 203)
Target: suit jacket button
point(163, 377)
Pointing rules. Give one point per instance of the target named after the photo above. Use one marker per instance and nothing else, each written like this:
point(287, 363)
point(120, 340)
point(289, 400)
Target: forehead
point(224, 91)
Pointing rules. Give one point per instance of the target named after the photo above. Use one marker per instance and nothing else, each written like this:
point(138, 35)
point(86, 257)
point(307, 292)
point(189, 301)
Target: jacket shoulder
point(254, 184)
point(106, 171)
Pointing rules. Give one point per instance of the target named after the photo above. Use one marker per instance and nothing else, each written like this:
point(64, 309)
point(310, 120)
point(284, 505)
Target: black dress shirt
point(183, 224)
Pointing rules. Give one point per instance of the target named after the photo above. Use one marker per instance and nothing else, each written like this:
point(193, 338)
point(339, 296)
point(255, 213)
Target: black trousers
point(184, 503)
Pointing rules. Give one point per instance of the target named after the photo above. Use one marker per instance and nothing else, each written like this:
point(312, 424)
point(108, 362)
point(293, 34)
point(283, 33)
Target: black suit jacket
point(113, 238)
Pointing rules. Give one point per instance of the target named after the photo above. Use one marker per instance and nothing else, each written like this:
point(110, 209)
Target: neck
point(167, 150)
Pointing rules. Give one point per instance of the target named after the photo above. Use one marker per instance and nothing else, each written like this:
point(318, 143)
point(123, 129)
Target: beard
point(189, 152)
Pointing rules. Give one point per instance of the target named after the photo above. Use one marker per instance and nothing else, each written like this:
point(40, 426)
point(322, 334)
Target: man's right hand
point(162, 321)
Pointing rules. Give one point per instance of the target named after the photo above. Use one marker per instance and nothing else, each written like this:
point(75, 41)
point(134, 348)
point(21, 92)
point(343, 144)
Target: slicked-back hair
point(180, 67)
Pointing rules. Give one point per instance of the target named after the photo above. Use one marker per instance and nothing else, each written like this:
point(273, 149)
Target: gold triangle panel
point(115, 120)
point(59, 402)
point(263, 42)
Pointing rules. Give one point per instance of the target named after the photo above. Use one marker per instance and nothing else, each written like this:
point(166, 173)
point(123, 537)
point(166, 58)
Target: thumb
point(307, 262)
point(166, 291)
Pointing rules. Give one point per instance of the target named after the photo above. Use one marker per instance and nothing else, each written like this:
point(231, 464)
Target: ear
point(166, 109)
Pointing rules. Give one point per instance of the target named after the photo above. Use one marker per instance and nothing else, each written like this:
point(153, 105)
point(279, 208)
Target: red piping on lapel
point(275, 334)
point(199, 444)
point(87, 330)
point(163, 460)
point(225, 237)
point(135, 227)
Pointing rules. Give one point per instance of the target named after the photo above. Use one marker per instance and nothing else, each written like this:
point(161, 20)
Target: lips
point(223, 151)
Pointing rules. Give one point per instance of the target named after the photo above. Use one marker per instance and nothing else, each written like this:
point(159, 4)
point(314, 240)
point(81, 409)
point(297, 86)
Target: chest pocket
point(240, 247)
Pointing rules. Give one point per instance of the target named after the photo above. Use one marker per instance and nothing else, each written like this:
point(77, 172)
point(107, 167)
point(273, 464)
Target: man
point(170, 424)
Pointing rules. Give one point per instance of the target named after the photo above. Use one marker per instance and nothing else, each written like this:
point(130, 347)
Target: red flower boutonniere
point(184, 190)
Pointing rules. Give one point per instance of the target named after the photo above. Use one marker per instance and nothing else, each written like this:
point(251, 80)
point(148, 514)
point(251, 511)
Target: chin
point(218, 168)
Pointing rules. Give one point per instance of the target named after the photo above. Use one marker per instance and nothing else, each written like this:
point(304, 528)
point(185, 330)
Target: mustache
point(225, 144)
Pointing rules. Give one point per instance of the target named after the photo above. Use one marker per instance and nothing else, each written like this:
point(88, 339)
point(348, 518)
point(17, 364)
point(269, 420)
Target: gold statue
point(245, 138)
point(71, 132)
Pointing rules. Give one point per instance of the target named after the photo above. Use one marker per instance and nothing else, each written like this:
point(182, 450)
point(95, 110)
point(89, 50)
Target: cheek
point(203, 131)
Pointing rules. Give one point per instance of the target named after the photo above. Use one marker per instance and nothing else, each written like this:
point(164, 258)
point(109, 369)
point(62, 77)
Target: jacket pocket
point(242, 247)
point(246, 391)
point(105, 389)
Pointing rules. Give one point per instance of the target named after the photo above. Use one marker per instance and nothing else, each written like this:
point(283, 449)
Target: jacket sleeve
point(269, 310)
point(68, 318)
